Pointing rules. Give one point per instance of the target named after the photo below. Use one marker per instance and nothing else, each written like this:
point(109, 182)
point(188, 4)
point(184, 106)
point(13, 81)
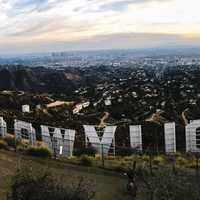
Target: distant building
point(158, 110)
point(120, 100)
point(85, 104)
point(78, 107)
point(25, 108)
point(38, 106)
point(108, 102)
point(134, 94)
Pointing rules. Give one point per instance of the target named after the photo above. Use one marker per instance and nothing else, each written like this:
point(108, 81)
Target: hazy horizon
point(30, 26)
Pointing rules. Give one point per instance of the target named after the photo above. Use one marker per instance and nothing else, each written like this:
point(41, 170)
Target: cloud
point(13, 8)
point(75, 21)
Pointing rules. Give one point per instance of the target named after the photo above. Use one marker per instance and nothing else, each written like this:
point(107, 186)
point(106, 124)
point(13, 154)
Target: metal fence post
point(102, 156)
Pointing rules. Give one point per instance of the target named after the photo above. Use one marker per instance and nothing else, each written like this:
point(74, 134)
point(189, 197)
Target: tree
point(29, 184)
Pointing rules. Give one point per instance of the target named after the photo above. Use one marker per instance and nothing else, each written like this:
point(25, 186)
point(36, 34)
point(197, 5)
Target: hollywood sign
point(62, 140)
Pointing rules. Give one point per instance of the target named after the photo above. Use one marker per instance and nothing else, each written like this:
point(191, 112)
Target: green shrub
point(10, 140)
point(145, 158)
point(118, 168)
point(181, 161)
point(3, 144)
point(85, 160)
point(192, 165)
point(41, 152)
point(22, 147)
point(39, 184)
point(109, 158)
point(124, 151)
point(158, 160)
point(90, 151)
point(167, 185)
point(129, 158)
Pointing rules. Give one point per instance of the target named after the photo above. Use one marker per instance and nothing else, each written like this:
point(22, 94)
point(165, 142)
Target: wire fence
point(110, 155)
point(109, 149)
point(62, 142)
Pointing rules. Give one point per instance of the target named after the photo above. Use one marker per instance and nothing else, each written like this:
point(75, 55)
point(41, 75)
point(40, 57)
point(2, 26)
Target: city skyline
point(57, 25)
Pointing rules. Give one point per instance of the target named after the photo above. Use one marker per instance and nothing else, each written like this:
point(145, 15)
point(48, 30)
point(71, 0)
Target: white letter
point(191, 140)
point(136, 137)
point(105, 141)
point(24, 130)
point(59, 140)
point(3, 127)
point(170, 137)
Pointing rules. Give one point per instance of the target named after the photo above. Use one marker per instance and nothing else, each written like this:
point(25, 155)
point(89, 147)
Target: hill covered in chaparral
point(70, 97)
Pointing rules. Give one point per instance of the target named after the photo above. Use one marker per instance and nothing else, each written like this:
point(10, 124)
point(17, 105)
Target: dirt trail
point(184, 117)
point(102, 122)
point(156, 118)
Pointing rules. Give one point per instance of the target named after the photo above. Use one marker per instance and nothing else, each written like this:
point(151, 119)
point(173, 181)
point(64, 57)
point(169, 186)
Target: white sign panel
point(170, 137)
point(59, 140)
point(191, 136)
point(3, 127)
point(24, 130)
point(25, 108)
point(68, 141)
point(136, 137)
point(104, 143)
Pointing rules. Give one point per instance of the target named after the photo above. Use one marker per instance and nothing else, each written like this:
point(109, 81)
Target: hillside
point(108, 185)
point(149, 95)
point(38, 79)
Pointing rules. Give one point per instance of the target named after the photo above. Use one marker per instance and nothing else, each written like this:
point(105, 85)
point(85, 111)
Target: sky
point(57, 25)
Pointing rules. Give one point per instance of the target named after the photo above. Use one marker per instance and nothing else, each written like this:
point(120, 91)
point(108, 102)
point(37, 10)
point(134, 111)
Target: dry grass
point(109, 185)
